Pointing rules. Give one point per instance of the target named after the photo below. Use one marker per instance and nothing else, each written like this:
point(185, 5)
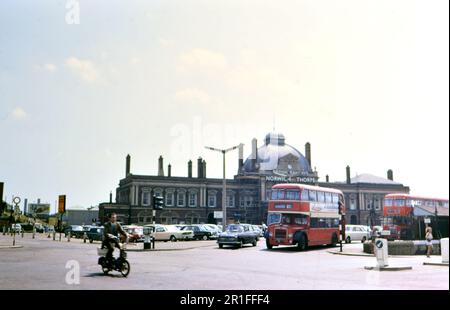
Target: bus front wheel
point(268, 245)
point(302, 243)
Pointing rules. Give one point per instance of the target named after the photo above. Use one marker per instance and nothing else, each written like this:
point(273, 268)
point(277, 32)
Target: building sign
point(61, 204)
point(39, 209)
point(286, 179)
point(218, 214)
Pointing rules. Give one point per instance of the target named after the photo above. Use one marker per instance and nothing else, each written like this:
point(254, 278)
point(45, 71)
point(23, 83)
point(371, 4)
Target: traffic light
point(158, 202)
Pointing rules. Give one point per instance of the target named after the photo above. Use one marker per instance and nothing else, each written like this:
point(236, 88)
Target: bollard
point(84, 237)
point(34, 231)
point(444, 250)
point(4, 230)
point(54, 236)
point(22, 233)
point(381, 252)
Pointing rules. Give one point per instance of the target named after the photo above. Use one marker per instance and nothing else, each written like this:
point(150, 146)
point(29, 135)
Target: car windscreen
point(235, 228)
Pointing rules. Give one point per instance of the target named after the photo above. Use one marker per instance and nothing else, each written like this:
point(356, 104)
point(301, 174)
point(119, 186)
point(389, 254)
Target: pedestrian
point(429, 239)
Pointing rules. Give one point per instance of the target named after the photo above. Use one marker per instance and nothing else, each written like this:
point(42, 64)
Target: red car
point(136, 233)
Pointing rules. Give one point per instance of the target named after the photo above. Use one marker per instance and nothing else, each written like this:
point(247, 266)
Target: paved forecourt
point(192, 265)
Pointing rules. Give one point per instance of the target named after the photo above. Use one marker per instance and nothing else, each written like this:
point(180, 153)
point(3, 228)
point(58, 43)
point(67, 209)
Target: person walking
point(429, 239)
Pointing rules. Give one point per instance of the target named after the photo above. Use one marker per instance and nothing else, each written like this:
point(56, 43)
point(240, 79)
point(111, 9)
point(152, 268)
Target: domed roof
point(277, 157)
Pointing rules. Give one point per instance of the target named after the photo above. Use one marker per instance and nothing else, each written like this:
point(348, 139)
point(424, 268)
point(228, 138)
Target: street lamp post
point(224, 183)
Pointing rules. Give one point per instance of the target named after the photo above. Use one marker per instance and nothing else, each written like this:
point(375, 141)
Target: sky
point(84, 83)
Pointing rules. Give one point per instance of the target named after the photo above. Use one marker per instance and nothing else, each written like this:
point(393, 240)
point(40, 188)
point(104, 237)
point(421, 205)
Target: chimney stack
point(241, 157)
point(390, 175)
point(39, 201)
point(199, 167)
point(160, 166)
point(127, 165)
point(25, 206)
point(190, 169)
point(327, 178)
point(347, 170)
point(308, 152)
point(254, 156)
point(204, 168)
point(169, 170)
point(110, 197)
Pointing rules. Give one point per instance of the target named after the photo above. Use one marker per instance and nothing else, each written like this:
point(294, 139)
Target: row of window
point(179, 200)
point(304, 195)
point(389, 202)
point(324, 223)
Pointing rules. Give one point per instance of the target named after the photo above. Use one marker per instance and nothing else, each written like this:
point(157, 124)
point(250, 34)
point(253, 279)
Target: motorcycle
point(118, 264)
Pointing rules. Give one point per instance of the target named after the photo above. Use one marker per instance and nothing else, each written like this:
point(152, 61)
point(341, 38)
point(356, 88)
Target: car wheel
point(254, 242)
point(363, 239)
point(241, 244)
point(302, 243)
point(173, 238)
point(205, 237)
point(334, 240)
point(348, 240)
point(220, 246)
point(91, 240)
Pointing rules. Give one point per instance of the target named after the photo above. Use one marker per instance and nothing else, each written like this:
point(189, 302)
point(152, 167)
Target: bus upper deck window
point(305, 195)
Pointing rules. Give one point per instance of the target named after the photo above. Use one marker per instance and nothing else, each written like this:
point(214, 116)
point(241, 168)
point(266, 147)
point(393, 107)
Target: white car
point(170, 233)
point(16, 228)
point(356, 232)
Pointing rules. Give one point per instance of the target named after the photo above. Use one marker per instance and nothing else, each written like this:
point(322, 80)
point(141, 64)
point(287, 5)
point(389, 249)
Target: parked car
point(237, 235)
point(95, 234)
point(74, 231)
point(200, 232)
point(135, 233)
point(215, 228)
point(258, 230)
point(356, 232)
point(17, 228)
point(39, 227)
point(170, 233)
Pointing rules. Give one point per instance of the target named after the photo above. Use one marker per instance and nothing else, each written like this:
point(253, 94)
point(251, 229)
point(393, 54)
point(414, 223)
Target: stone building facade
point(194, 199)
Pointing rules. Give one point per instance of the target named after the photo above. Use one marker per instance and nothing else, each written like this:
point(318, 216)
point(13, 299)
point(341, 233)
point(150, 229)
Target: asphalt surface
point(201, 265)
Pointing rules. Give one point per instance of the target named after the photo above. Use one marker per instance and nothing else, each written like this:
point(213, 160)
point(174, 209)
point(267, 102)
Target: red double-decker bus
point(398, 213)
point(304, 215)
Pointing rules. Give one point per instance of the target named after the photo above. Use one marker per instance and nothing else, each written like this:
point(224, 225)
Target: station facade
point(198, 199)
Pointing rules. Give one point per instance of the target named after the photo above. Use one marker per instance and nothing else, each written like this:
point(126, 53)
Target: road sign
point(218, 214)
point(427, 220)
point(379, 244)
point(16, 200)
point(61, 204)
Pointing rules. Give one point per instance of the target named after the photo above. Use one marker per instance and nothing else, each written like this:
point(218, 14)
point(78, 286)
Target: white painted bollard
point(381, 252)
point(444, 250)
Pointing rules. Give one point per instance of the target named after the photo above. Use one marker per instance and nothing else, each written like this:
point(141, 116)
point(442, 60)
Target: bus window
point(388, 202)
point(300, 219)
point(328, 198)
point(273, 218)
point(335, 198)
point(305, 195)
point(320, 196)
point(312, 196)
point(399, 202)
point(277, 194)
point(286, 219)
point(292, 195)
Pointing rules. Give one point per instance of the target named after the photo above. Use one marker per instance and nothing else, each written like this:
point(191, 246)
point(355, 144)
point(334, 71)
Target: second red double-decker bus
point(398, 212)
point(304, 215)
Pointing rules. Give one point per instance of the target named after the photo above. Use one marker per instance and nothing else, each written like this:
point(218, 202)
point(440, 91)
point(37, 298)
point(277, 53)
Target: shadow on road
point(102, 275)
point(294, 249)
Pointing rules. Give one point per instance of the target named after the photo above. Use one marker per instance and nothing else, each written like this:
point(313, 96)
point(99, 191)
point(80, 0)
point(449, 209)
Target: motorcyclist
point(111, 231)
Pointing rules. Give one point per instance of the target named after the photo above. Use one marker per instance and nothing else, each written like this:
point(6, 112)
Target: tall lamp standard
point(224, 183)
